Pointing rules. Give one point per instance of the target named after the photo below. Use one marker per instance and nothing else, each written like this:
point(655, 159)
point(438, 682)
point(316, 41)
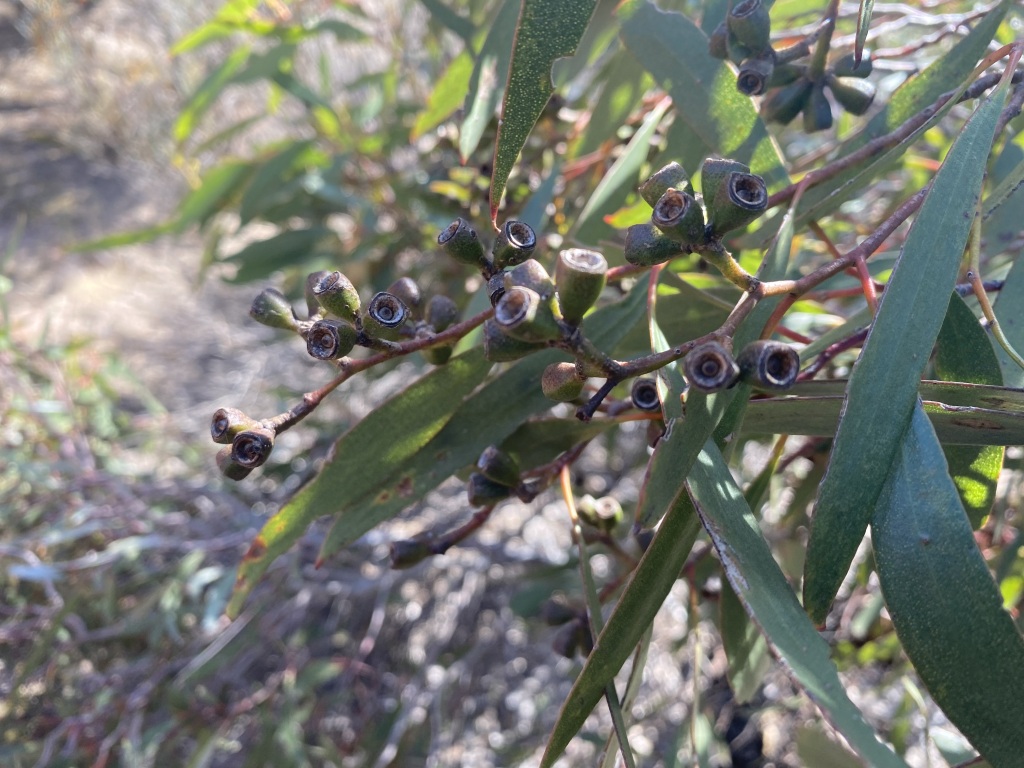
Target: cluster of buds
point(732, 195)
point(743, 38)
point(800, 91)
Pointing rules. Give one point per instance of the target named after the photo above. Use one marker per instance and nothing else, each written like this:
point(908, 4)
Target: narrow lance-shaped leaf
point(1011, 320)
point(448, 95)
point(962, 643)
point(547, 30)
point(883, 386)
point(768, 597)
point(963, 352)
point(863, 27)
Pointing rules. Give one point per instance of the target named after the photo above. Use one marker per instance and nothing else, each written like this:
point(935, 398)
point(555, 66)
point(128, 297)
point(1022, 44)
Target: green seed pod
point(749, 22)
point(524, 315)
point(441, 313)
point(272, 308)
point(228, 422)
point(786, 103)
point(485, 493)
point(228, 467)
point(784, 74)
point(604, 514)
point(680, 217)
point(846, 66)
point(755, 73)
point(855, 96)
point(498, 467)
point(312, 302)
point(579, 279)
point(459, 240)
point(669, 177)
point(710, 367)
point(738, 202)
point(817, 110)
point(714, 173)
point(499, 347)
point(384, 317)
point(561, 382)
point(645, 395)
point(718, 42)
point(408, 293)
point(330, 339)
point(337, 295)
point(513, 245)
point(406, 553)
point(252, 447)
point(646, 245)
point(769, 364)
point(530, 274)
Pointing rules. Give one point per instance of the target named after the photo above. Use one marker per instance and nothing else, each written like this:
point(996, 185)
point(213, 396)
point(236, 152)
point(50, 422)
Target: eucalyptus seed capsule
point(646, 245)
point(252, 447)
point(561, 382)
point(530, 274)
point(312, 302)
point(769, 364)
point(384, 316)
point(230, 468)
point(755, 73)
point(742, 198)
point(710, 368)
point(330, 339)
point(645, 395)
point(817, 110)
point(750, 23)
point(680, 217)
point(513, 245)
point(671, 176)
point(408, 293)
point(714, 172)
point(786, 103)
point(228, 422)
point(499, 347)
point(847, 66)
point(524, 315)
point(579, 279)
point(498, 467)
point(337, 295)
point(482, 492)
point(460, 241)
point(853, 95)
point(272, 308)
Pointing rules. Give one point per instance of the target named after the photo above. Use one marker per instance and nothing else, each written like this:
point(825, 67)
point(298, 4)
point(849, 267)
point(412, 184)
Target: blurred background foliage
point(315, 135)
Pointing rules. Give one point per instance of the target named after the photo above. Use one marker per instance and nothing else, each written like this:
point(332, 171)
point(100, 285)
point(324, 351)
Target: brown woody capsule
point(679, 216)
point(524, 315)
point(742, 198)
point(228, 422)
point(710, 368)
point(228, 467)
point(252, 447)
point(513, 245)
point(408, 293)
point(755, 73)
point(645, 395)
point(769, 364)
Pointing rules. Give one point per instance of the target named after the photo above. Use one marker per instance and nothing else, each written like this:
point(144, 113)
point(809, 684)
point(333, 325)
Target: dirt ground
point(439, 662)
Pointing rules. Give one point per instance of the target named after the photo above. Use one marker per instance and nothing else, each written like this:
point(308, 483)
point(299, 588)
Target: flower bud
point(561, 382)
point(499, 347)
point(855, 96)
point(524, 315)
point(252, 447)
point(513, 245)
point(312, 302)
point(672, 176)
point(441, 313)
point(579, 278)
point(645, 395)
point(272, 308)
point(646, 245)
point(710, 367)
point(769, 364)
point(679, 216)
point(408, 293)
point(482, 492)
point(718, 42)
point(786, 103)
point(460, 241)
point(530, 274)
point(406, 553)
point(817, 110)
point(228, 422)
point(330, 339)
point(846, 66)
point(498, 467)
point(755, 73)
point(739, 201)
point(604, 514)
point(749, 22)
point(337, 295)
point(384, 316)
point(228, 467)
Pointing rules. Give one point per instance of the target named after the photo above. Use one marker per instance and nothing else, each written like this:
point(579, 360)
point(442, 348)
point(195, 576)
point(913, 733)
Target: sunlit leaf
point(883, 386)
point(448, 94)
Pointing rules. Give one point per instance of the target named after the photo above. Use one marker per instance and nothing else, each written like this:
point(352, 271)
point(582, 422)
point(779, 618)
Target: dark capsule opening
point(585, 260)
point(323, 341)
point(645, 395)
point(452, 229)
point(751, 83)
point(327, 282)
point(781, 366)
point(670, 208)
point(514, 306)
point(746, 8)
point(388, 310)
point(520, 234)
point(220, 424)
point(251, 448)
point(748, 191)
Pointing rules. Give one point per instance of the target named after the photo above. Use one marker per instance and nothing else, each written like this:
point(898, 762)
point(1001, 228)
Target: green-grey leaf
point(962, 643)
point(863, 26)
point(286, 249)
point(547, 30)
point(265, 187)
point(764, 591)
point(963, 352)
point(883, 386)
point(624, 86)
point(647, 589)
point(489, 74)
point(718, 118)
point(745, 646)
point(448, 95)
point(1009, 309)
point(621, 179)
